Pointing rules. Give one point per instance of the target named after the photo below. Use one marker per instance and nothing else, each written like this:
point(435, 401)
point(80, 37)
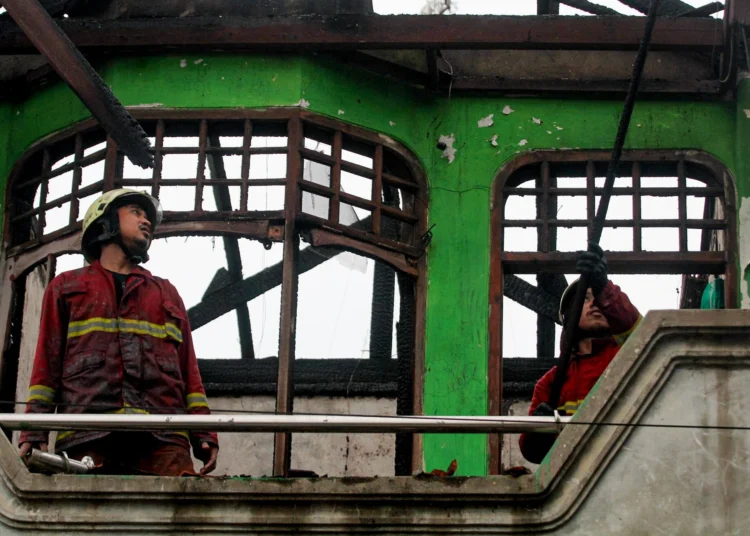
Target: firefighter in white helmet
point(116, 339)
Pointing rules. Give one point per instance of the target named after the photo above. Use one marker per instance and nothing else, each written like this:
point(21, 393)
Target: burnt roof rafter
point(373, 32)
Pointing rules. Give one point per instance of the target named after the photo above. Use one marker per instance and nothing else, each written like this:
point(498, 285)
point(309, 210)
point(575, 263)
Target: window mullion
point(290, 277)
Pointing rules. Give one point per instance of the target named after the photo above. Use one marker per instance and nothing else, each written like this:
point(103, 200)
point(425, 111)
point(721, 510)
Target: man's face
point(135, 227)
point(592, 320)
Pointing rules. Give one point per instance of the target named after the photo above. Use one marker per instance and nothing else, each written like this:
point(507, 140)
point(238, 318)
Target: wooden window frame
point(719, 182)
point(406, 256)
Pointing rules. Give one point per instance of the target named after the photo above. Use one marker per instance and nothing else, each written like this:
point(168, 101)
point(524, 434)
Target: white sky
point(501, 7)
point(335, 298)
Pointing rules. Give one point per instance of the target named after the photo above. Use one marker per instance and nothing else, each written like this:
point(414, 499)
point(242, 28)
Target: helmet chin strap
point(136, 257)
point(111, 233)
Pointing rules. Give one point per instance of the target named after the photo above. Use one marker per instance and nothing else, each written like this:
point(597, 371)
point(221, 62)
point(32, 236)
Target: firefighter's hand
point(594, 264)
point(24, 449)
point(207, 454)
point(543, 410)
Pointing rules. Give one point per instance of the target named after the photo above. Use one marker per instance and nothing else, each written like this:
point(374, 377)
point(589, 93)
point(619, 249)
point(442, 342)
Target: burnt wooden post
point(282, 453)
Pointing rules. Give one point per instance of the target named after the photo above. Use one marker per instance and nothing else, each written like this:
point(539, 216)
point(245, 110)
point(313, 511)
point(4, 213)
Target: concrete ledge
point(672, 354)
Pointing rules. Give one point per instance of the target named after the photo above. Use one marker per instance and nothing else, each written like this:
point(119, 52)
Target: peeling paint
point(486, 121)
point(274, 76)
point(549, 132)
point(183, 63)
point(449, 152)
point(149, 105)
point(523, 142)
point(341, 112)
point(743, 237)
point(747, 113)
point(386, 139)
point(392, 123)
point(558, 128)
point(639, 125)
point(508, 110)
point(303, 103)
point(198, 61)
point(493, 140)
point(536, 120)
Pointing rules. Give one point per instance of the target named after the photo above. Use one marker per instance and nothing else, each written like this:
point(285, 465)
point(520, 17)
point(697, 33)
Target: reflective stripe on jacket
point(584, 370)
point(95, 356)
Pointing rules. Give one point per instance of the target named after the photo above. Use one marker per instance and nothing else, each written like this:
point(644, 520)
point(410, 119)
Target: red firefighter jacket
point(584, 370)
point(97, 356)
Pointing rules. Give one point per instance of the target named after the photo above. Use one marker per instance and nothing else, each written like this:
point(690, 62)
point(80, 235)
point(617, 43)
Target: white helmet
point(110, 228)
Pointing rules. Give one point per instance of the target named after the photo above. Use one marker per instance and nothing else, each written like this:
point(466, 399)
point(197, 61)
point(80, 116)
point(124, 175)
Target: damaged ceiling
point(466, 53)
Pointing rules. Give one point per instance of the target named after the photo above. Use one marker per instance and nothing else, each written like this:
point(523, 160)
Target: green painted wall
point(458, 273)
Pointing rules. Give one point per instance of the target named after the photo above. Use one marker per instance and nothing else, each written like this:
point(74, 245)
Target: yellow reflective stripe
point(124, 410)
point(42, 393)
point(197, 400)
point(41, 398)
point(620, 338)
point(570, 406)
point(125, 325)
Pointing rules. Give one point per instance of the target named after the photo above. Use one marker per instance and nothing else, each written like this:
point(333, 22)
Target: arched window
point(285, 191)
point(670, 232)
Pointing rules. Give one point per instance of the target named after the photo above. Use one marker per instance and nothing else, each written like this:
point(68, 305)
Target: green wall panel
point(458, 259)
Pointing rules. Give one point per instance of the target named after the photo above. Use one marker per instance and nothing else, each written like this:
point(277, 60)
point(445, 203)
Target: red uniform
point(97, 356)
point(584, 370)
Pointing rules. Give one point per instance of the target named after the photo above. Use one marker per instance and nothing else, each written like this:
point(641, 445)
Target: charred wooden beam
point(591, 7)
point(372, 32)
point(228, 298)
point(667, 8)
point(547, 7)
point(223, 200)
point(704, 11)
point(52, 42)
point(538, 300)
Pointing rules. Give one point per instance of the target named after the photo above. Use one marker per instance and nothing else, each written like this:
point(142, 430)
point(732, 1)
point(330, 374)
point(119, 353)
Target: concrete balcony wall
point(686, 369)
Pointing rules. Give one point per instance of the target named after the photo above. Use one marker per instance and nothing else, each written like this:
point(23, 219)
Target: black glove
point(594, 264)
point(543, 410)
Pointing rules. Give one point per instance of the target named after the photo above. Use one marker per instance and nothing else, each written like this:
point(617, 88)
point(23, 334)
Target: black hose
point(572, 319)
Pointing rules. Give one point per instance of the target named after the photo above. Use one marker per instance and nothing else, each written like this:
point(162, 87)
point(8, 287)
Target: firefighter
point(607, 320)
point(116, 339)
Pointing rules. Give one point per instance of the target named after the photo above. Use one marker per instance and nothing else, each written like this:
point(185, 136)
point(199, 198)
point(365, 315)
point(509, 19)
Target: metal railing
point(284, 423)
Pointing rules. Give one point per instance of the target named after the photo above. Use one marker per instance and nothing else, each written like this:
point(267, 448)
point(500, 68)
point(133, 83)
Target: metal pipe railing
point(283, 423)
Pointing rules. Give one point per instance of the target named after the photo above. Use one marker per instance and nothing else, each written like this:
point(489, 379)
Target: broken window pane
point(217, 336)
point(178, 166)
point(317, 173)
point(268, 141)
point(349, 214)
point(661, 239)
point(92, 174)
point(177, 198)
point(519, 239)
point(335, 304)
point(570, 207)
point(318, 146)
point(266, 198)
point(60, 186)
point(620, 207)
point(57, 218)
point(356, 185)
point(224, 193)
point(268, 166)
point(355, 158)
point(315, 205)
point(615, 239)
point(520, 207)
point(659, 208)
point(572, 238)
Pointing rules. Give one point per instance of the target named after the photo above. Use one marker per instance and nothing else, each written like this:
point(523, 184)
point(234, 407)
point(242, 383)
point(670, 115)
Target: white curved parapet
point(686, 369)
